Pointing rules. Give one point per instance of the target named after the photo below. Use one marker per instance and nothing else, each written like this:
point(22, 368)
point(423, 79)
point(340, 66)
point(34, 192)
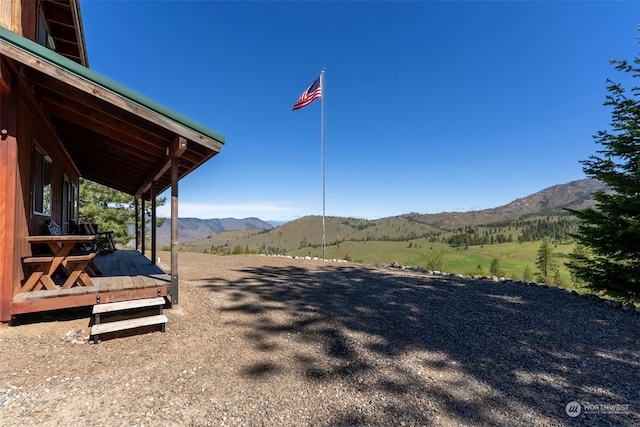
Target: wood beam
point(174, 230)
point(89, 118)
point(56, 91)
point(153, 223)
point(34, 108)
point(6, 79)
point(177, 149)
point(143, 228)
point(136, 215)
point(33, 306)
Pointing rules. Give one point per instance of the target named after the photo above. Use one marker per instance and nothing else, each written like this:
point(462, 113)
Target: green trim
point(50, 56)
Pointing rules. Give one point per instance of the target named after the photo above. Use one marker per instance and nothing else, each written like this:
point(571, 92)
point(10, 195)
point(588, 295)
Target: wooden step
point(121, 325)
point(126, 305)
point(121, 308)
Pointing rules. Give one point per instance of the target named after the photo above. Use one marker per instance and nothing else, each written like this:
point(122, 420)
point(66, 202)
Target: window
point(69, 205)
point(43, 37)
point(42, 171)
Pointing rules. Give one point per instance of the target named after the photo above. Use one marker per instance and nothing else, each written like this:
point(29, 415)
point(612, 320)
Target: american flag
point(314, 91)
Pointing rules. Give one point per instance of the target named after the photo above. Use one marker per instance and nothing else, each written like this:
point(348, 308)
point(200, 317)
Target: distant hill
point(194, 228)
point(552, 200)
point(304, 235)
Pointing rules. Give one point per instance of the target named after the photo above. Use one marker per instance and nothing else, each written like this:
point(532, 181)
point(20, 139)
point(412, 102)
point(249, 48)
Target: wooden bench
point(39, 277)
point(42, 268)
point(77, 265)
point(99, 328)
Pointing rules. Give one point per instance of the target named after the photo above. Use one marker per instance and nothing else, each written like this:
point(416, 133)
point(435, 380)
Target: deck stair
point(129, 310)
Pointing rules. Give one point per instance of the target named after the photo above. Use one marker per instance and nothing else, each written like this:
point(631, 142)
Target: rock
point(76, 337)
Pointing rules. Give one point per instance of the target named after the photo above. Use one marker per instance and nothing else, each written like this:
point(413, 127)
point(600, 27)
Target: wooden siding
point(11, 15)
point(34, 128)
point(29, 18)
point(25, 125)
point(8, 194)
point(19, 16)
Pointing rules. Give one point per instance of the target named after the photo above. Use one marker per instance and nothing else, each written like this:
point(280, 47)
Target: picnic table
point(77, 267)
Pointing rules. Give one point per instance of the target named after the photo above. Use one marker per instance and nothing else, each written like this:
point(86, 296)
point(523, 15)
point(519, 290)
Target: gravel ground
point(283, 342)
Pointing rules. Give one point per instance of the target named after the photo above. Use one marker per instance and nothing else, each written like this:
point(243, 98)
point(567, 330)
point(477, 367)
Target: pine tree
point(558, 280)
point(545, 261)
point(495, 269)
point(110, 209)
point(580, 252)
point(611, 230)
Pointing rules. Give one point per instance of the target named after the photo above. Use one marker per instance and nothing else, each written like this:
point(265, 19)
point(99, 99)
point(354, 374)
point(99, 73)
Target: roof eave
point(192, 130)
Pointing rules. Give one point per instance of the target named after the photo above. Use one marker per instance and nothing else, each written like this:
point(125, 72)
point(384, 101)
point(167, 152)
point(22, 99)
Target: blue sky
point(429, 106)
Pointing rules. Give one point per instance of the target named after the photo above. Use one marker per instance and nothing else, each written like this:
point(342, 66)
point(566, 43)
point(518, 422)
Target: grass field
point(388, 241)
point(512, 257)
point(399, 240)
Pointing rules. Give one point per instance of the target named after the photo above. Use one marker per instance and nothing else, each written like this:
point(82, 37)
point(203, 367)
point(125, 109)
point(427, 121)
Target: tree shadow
point(470, 351)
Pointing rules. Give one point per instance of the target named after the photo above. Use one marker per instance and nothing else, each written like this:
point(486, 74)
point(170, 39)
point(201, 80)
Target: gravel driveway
point(282, 342)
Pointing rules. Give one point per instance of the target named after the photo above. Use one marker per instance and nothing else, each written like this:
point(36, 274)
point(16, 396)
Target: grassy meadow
point(512, 257)
point(401, 240)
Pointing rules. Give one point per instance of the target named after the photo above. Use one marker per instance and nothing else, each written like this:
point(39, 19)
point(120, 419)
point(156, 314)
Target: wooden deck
point(126, 274)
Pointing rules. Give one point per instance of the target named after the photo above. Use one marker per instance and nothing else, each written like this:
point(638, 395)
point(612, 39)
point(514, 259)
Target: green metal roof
point(50, 56)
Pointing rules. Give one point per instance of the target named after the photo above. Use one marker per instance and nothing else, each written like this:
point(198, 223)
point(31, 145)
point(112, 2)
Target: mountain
point(304, 235)
point(194, 228)
point(553, 200)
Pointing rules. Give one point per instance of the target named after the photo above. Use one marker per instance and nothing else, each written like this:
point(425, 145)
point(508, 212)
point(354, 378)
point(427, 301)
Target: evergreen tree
point(611, 230)
point(479, 271)
point(580, 252)
point(545, 261)
point(111, 210)
point(527, 276)
point(558, 280)
point(494, 269)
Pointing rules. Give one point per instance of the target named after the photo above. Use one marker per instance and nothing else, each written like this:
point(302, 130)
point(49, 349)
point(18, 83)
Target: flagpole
point(323, 160)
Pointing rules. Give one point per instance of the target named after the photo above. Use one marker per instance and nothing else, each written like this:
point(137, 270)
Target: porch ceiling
point(114, 136)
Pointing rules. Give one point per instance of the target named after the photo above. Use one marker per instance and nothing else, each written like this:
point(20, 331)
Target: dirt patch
point(275, 341)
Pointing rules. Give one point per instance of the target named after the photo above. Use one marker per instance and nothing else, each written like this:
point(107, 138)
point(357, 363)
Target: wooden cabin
point(60, 121)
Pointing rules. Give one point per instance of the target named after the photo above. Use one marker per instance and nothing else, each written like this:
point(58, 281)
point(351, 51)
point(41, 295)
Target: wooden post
point(174, 230)
point(143, 228)
point(136, 221)
point(153, 223)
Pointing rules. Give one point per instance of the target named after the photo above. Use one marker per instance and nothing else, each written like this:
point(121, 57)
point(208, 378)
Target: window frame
point(42, 191)
point(69, 204)
point(43, 33)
